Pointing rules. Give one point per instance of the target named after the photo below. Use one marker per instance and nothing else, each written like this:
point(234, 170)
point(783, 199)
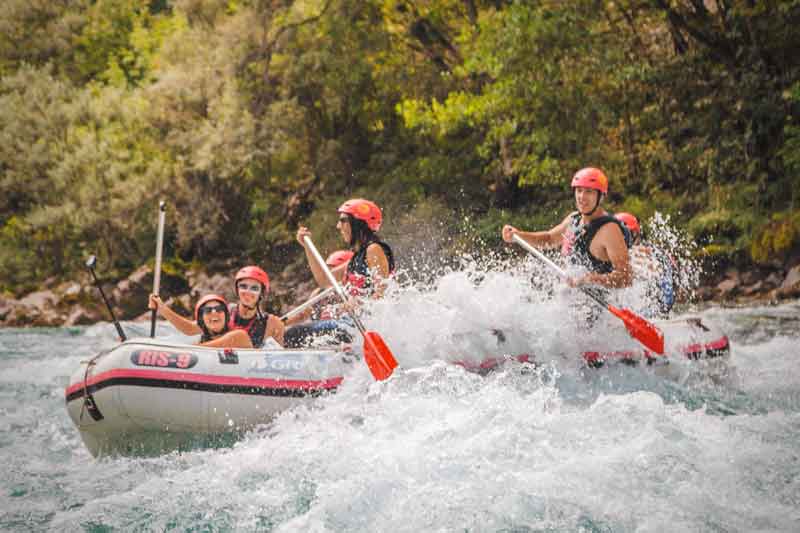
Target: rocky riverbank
point(78, 302)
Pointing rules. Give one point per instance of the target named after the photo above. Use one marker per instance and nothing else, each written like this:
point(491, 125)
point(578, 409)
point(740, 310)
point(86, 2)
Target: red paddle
point(377, 355)
point(639, 328)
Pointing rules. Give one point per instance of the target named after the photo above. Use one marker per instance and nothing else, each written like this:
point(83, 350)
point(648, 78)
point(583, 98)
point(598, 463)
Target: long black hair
point(360, 234)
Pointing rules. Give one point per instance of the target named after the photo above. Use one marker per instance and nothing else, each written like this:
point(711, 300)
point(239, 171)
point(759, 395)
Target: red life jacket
point(255, 327)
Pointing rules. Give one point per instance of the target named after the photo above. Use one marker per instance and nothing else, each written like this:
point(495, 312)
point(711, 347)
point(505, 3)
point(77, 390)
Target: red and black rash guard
point(358, 275)
point(255, 327)
point(579, 237)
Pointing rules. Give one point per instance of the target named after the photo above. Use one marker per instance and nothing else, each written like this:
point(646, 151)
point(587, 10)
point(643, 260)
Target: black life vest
point(579, 237)
point(255, 327)
point(358, 275)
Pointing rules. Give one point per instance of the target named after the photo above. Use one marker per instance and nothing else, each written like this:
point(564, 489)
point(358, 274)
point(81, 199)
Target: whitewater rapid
point(557, 447)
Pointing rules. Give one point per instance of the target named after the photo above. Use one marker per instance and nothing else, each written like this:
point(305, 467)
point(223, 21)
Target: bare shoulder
point(375, 251)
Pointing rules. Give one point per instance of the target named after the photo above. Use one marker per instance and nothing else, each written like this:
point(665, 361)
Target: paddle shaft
point(108, 306)
point(157, 273)
point(546, 260)
point(311, 301)
point(332, 280)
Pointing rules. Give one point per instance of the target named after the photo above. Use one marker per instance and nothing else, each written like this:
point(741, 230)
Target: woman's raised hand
point(508, 233)
point(155, 301)
point(302, 232)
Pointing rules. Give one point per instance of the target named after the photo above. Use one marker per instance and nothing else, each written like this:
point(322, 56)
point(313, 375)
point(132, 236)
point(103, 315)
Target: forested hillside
point(250, 117)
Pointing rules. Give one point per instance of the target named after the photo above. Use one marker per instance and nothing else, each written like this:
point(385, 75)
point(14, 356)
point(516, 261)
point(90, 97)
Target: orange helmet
point(209, 298)
point(253, 272)
point(364, 210)
point(338, 257)
point(591, 178)
point(630, 222)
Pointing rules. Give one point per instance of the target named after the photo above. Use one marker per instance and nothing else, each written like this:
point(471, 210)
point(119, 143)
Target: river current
point(556, 447)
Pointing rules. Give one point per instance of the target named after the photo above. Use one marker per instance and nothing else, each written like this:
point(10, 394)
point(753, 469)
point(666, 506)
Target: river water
point(559, 447)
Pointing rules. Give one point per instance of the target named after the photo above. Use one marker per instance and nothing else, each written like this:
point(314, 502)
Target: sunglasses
point(344, 220)
point(219, 308)
point(249, 288)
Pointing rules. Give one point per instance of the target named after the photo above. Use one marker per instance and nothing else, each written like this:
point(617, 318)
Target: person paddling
point(589, 238)
point(654, 265)
point(252, 285)
point(372, 263)
point(364, 274)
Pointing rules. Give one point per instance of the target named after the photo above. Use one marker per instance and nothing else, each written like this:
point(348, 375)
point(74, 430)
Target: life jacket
point(358, 275)
point(256, 327)
point(578, 238)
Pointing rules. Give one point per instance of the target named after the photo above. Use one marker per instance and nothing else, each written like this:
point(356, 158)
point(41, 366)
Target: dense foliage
point(251, 116)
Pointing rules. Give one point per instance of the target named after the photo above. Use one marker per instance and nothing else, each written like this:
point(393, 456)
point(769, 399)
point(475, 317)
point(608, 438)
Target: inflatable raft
point(685, 338)
point(146, 396)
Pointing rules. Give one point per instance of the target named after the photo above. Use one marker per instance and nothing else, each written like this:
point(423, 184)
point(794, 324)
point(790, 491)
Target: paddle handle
point(302, 307)
point(546, 260)
point(332, 281)
point(162, 209)
point(117, 325)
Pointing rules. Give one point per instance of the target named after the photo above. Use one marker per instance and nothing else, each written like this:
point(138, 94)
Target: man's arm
point(540, 239)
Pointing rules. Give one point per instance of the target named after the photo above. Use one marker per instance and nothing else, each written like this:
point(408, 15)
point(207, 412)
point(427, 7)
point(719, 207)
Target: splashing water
point(555, 446)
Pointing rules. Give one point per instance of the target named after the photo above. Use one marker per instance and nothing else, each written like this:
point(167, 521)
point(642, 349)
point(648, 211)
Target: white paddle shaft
point(162, 208)
point(332, 281)
point(308, 303)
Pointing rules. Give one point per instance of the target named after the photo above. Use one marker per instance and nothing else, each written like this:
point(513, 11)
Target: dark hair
point(360, 234)
point(201, 321)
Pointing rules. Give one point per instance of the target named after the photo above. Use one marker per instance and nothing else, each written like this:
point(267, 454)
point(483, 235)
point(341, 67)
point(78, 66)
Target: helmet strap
point(596, 205)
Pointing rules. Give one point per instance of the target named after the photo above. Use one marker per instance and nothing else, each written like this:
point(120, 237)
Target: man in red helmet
point(252, 285)
point(589, 237)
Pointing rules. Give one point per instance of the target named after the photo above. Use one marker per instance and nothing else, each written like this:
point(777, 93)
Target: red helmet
point(204, 300)
point(338, 257)
point(630, 222)
point(591, 178)
point(364, 210)
point(253, 272)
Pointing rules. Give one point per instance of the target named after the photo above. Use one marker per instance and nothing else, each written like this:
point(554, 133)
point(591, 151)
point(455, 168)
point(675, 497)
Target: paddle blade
point(640, 329)
point(378, 356)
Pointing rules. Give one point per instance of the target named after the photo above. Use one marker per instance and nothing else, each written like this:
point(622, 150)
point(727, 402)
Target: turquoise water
point(558, 448)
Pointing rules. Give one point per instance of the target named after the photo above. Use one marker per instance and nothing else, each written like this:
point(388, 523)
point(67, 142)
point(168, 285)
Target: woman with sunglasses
point(365, 274)
point(211, 317)
point(252, 285)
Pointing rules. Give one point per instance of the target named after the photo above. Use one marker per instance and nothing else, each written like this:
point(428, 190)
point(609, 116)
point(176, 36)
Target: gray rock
point(39, 299)
point(728, 287)
point(70, 292)
point(792, 278)
point(79, 317)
